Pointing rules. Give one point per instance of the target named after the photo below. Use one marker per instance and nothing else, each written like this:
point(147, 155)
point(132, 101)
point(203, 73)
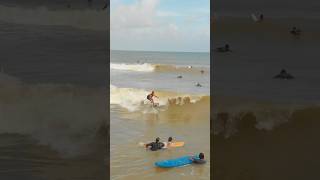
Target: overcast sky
point(160, 25)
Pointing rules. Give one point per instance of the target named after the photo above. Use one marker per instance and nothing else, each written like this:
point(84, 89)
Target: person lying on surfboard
point(150, 97)
point(154, 146)
point(199, 159)
point(167, 144)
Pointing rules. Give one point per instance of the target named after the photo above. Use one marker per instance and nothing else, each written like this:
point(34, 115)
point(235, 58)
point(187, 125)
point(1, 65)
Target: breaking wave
point(230, 114)
point(172, 104)
point(64, 117)
point(146, 67)
point(78, 18)
point(266, 133)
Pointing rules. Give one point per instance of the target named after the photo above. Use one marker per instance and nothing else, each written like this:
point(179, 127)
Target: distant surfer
point(226, 48)
point(202, 71)
point(283, 75)
point(256, 19)
point(198, 85)
point(150, 97)
point(170, 139)
point(189, 67)
point(105, 6)
point(179, 77)
point(199, 160)
point(261, 17)
point(154, 146)
point(295, 31)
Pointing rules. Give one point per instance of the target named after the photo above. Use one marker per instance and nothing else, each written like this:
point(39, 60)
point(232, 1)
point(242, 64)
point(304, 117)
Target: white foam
point(84, 19)
point(134, 99)
point(130, 98)
point(145, 67)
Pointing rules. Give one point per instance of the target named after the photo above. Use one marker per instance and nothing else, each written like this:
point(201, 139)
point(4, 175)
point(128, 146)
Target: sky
point(160, 25)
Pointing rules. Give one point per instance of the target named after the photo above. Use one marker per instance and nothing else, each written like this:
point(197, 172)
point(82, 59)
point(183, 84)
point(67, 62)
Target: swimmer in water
point(295, 31)
point(199, 160)
point(154, 146)
point(198, 85)
point(169, 141)
point(150, 97)
point(167, 144)
point(283, 75)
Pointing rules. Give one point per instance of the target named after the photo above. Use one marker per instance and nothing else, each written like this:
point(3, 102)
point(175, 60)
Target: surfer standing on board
point(150, 97)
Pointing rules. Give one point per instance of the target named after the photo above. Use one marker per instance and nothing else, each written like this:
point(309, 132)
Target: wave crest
point(134, 100)
point(228, 117)
point(146, 67)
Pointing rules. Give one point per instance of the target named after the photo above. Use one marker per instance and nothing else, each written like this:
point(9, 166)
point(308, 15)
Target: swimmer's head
point(170, 139)
point(201, 155)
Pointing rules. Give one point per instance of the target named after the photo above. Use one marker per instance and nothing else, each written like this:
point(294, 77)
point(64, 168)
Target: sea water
point(183, 112)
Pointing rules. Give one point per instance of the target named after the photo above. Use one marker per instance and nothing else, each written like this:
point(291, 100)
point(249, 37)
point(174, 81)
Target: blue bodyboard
point(181, 161)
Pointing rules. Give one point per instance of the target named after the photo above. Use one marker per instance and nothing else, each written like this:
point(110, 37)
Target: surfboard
point(173, 144)
point(176, 144)
point(170, 163)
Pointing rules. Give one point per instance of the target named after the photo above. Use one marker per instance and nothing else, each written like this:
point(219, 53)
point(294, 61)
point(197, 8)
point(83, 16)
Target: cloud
point(167, 14)
point(141, 14)
point(144, 25)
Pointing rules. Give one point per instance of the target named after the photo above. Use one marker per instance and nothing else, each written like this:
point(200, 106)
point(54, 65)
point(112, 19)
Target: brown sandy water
point(189, 123)
point(266, 128)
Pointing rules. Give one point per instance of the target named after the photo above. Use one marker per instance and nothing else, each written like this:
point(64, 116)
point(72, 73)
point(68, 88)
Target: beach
point(183, 112)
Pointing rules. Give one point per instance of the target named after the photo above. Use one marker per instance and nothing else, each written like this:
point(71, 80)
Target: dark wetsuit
point(198, 161)
point(149, 97)
point(154, 146)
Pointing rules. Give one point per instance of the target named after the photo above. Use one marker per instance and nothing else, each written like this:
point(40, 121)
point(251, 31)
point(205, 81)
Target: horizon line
point(161, 51)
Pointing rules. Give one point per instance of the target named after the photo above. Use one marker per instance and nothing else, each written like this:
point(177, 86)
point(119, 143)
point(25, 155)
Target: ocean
point(265, 128)
point(183, 112)
point(53, 84)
